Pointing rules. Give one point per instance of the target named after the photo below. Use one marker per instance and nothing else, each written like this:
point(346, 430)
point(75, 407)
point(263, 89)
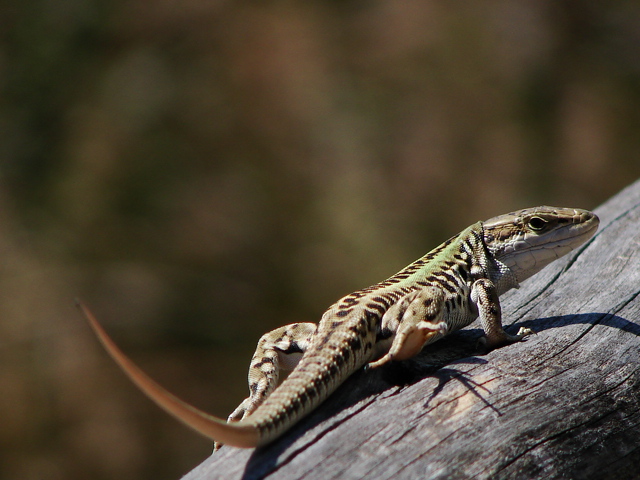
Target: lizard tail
point(236, 434)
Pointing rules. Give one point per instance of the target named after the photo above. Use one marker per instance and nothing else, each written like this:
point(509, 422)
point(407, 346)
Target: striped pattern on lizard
point(445, 290)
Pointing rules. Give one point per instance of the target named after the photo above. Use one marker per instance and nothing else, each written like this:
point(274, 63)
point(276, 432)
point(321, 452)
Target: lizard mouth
point(571, 235)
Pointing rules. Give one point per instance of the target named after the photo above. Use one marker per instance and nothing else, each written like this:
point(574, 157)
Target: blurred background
point(200, 172)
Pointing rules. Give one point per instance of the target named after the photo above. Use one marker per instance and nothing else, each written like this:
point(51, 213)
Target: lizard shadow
point(365, 386)
point(595, 318)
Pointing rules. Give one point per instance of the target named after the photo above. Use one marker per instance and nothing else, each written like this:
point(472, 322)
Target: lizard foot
point(484, 344)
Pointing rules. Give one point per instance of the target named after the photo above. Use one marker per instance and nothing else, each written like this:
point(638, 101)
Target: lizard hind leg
point(417, 320)
point(277, 350)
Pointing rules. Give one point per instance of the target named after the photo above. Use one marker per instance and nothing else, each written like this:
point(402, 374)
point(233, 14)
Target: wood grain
point(562, 404)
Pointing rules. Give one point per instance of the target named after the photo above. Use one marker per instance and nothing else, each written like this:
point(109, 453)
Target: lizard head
point(527, 240)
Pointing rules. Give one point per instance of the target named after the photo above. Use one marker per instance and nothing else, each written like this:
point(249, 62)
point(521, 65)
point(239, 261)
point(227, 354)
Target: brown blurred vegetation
point(200, 172)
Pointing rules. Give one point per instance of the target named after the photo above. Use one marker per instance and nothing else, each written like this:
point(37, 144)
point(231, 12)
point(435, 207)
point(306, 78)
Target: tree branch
point(562, 404)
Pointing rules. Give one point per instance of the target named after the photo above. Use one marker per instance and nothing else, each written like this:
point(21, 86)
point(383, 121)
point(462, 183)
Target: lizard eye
point(537, 223)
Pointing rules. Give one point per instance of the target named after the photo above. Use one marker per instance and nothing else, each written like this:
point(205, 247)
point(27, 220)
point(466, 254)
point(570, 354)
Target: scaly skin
point(443, 291)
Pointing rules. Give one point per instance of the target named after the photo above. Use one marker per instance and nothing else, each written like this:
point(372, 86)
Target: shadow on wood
point(562, 404)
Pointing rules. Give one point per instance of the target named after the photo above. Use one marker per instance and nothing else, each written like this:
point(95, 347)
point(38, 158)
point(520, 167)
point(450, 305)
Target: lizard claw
point(441, 328)
point(381, 361)
point(524, 331)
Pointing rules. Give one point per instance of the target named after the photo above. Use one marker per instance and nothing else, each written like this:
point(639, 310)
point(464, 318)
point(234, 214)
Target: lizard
point(441, 292)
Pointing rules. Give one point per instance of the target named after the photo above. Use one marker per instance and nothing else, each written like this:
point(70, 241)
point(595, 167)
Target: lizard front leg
point(415, 319)
point(485, 296)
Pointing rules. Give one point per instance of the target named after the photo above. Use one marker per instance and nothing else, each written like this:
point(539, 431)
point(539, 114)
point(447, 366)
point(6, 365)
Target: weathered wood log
point(562, 404)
